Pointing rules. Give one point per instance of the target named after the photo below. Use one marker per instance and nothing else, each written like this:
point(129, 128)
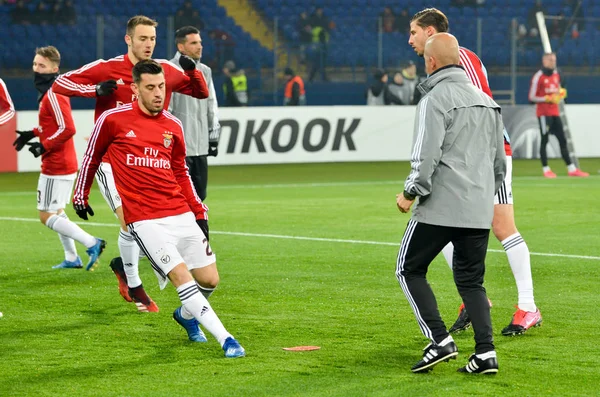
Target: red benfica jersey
point(56, 130)
point(82, 82)
point(542, 85)
point(7, 109)
point(148, 160)
point(478, 76)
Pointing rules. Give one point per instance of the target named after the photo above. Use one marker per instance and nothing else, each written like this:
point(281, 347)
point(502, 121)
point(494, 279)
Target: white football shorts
point(169, 241)
point(505, 195)
point(54, 192)
point(106, 182)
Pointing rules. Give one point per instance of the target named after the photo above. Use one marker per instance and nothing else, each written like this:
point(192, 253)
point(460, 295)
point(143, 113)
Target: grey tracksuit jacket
point(458, 161)
point(200, 117)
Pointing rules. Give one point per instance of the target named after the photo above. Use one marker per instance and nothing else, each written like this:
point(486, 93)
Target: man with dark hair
point(59, 162)
point(169, 221)
point(294, 93)
point(423, 25)
point(235, 86)
point(457, 148)
point(110, 83)
point(546, 92)
point(198, 116)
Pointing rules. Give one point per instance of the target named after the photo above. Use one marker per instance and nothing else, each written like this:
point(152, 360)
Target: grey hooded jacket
point(458, 161)
point(200, 117)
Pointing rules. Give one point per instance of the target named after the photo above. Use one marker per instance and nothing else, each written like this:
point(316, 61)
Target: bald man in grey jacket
point(199, 116)
point(458, 164)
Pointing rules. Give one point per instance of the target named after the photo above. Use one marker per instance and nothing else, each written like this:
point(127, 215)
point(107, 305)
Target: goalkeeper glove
point(24, 137)
point(203, 225)
point(563, 93)
point(83, 210)
point(36, 148)
point(186, 63)
point(105, 88)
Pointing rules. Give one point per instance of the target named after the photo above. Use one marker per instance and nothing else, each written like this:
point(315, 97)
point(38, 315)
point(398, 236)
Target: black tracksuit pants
point(420, 245)
point(553, 125)
point(198, 169)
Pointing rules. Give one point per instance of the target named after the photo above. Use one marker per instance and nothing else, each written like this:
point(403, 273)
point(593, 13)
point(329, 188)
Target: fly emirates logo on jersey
point(150, 158)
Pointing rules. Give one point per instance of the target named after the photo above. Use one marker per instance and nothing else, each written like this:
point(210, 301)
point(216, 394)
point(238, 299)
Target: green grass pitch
point(289, 276)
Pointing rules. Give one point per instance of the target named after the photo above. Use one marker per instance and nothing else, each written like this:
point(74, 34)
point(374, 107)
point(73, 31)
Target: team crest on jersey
point(167, 138)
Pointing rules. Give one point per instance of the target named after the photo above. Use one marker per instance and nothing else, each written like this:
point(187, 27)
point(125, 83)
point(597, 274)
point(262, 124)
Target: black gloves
point(105, 88)
point(36, 148)
point(213, 149)
point(203, 224)
point(186, 63)
point(24, 137)
point(83, 210)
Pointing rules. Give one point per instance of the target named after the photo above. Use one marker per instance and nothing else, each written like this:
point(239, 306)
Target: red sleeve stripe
point(89, 152)
point(58, 115)
point(11, 110)
point(471, 73)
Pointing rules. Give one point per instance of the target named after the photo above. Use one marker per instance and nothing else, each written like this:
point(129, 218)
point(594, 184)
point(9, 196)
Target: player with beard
point(147, 150)
point(109, 81)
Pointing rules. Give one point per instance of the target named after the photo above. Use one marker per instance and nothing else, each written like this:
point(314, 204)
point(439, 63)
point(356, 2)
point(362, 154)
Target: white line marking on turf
point(400, 183)
point(304, 238)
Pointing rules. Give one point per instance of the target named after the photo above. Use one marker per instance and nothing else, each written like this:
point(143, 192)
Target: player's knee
point(211, 282)
point(44, 216)
point(503, 227)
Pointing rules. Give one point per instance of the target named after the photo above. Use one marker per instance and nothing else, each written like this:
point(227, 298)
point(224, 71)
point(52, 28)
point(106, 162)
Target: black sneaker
point(434, 354)
point(477, 365)
point(463, 321)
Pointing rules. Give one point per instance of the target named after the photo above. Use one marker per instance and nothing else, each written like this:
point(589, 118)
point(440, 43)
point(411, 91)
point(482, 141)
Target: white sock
point(546, 169)
point(486, 355)
point(71, 230)
point(68, 243)
point(571, 167)
point(130, 254)
point(448, 252)
point(518, 257)
point(195, 304)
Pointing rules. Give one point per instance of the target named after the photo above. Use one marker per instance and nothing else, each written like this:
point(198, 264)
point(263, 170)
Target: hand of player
point(203, 224)
point(403, 203)
point(105, 88)
point(24, 137)
point(83, 210)
point(36, 148)
point(186, 63)
point(213, 149)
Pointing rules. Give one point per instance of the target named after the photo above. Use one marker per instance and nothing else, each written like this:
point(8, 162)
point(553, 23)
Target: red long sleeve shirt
point(542, 85)
point(82, 82)
point(478, 76)
point(7, 109)
point(56, 129)
point(148, 159)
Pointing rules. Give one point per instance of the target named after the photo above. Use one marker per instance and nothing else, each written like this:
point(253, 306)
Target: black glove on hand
point(24, 137)
point(213, 149)
point(36, 148)
point(83, 210)
point(186, 63)
point(203, 224)
point(105, 88)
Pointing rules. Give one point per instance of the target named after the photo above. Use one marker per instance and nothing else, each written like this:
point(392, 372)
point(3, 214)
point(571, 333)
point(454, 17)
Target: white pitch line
point(304, 238)
point(399, 182)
